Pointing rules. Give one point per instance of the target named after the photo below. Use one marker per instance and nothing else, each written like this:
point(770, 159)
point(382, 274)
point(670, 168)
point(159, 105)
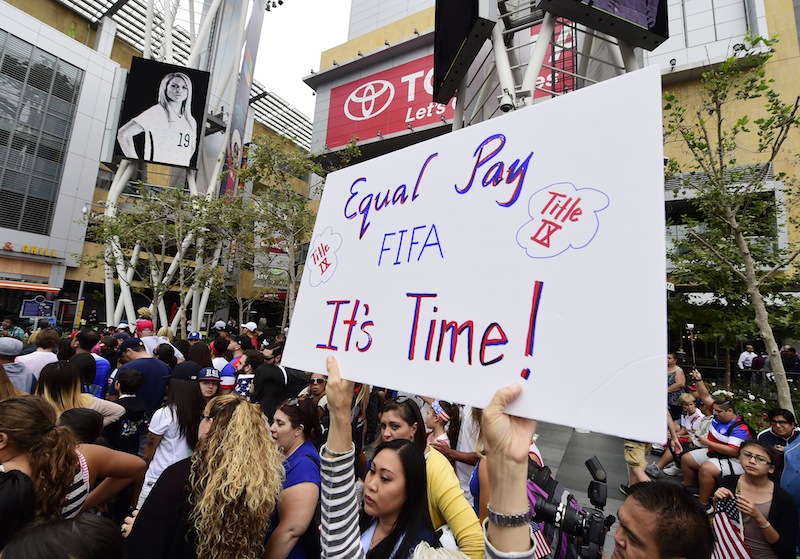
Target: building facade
point(62, 70)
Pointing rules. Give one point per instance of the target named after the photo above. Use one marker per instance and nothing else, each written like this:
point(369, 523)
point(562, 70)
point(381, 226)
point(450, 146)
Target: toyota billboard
point(395, 100)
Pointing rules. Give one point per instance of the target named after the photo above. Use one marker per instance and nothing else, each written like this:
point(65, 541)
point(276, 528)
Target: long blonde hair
point(29, 423)
point(60, 384)
point(235, 480)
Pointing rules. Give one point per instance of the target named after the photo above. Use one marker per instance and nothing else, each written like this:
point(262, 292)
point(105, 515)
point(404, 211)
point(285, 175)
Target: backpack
point(310, 538)
point(750, 431)
point(542, 485)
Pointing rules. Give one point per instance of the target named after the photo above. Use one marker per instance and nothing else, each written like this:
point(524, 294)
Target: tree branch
point(777, 267)
point(719, 255)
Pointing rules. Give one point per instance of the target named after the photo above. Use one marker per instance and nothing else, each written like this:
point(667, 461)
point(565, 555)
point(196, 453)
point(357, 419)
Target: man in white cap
point(17, 374)
point(250, 329)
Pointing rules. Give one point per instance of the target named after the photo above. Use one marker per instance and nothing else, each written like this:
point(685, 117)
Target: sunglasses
point(316, 381)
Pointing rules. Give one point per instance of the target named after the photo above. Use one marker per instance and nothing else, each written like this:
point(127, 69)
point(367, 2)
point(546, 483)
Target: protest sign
point(529, 248)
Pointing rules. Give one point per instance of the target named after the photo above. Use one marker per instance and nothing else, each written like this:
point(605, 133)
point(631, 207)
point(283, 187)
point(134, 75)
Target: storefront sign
point(31, 249)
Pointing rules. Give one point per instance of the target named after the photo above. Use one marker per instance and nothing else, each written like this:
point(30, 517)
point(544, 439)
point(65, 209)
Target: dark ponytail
point(454, 426)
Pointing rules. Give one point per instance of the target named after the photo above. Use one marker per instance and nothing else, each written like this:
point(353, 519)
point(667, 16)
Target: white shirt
point(35, 362)
point(746, 359)
point(467, 441)
point(219, 363)
point(172, 448)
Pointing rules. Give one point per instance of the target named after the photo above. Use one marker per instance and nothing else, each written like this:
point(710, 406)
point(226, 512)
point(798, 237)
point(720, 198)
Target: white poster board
point(529, 248)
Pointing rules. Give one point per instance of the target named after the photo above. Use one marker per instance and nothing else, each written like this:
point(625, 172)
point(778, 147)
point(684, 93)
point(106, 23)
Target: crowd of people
point(747, 481)
point(138, 444)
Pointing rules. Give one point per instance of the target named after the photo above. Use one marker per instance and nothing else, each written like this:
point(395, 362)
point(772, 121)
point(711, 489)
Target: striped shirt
point(77, 492)
point(340, 537)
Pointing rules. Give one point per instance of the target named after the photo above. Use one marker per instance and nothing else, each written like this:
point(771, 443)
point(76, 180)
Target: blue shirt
point(155, 383)
point(301, 467)
point(101, 376)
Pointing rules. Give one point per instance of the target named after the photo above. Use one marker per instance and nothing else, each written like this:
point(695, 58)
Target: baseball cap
point(227, 383)
point(143, 325)
point(194, 335)
point(252, 326)
point(10, 347)
point(131, 343)
point(219, 346)
point(188, 370)
point(209, 373)
point(123, 325)
point(219, 325)
point(245, 342)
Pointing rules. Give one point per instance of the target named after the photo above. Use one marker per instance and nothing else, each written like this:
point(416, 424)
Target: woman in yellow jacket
point(401, 419)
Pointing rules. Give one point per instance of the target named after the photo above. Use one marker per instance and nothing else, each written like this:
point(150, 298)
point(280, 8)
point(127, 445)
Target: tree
point(235, 226)
point(285, 181)
point(730, 159)
point(152, 243)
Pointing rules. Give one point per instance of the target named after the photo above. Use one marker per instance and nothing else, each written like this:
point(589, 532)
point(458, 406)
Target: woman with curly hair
point(62, 470)
point(216, 504)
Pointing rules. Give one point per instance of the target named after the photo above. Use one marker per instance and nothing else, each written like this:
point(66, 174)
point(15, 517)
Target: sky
point(294, 36)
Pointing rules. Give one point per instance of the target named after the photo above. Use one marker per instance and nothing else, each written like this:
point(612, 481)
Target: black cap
point(188, 370)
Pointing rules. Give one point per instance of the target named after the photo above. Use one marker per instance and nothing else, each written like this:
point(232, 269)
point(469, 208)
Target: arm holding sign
point(507, 439)
point(340, 534)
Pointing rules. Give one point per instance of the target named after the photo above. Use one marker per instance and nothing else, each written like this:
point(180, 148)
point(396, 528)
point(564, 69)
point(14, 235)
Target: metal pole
point(538, 55)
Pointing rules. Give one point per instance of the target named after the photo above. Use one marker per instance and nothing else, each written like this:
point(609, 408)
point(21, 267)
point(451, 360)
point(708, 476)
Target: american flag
point(541, 548)
point(728, 537)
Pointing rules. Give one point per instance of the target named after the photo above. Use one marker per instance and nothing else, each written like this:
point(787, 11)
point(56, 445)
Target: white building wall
point(83, 152)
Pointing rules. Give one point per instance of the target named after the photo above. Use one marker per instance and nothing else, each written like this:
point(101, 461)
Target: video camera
point(589, 525)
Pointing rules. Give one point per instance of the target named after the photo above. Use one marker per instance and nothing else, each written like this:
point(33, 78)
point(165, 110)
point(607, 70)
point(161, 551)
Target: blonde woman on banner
point(170, 130)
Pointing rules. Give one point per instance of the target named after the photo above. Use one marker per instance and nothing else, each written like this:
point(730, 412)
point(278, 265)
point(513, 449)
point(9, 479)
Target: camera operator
point(659, 520)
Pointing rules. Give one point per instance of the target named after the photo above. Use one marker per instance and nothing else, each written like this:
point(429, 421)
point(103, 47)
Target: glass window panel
point(15, 181)
point(55, 126)
point(37, 215)
point(42, 188)
point(42, 70)
point(67, 82)
point(16, 58)
point(46, 168)
point(10, 204)
point(9, 98)
point(59, 107)
point(38, 96)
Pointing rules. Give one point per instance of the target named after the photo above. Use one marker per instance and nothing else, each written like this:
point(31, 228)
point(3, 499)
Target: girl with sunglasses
point(766, 512)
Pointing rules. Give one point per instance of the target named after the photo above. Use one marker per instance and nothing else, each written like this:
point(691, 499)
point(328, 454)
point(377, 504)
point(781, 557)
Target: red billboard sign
point(395, 100)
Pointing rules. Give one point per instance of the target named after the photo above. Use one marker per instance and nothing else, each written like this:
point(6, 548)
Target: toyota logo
point(369, 100)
